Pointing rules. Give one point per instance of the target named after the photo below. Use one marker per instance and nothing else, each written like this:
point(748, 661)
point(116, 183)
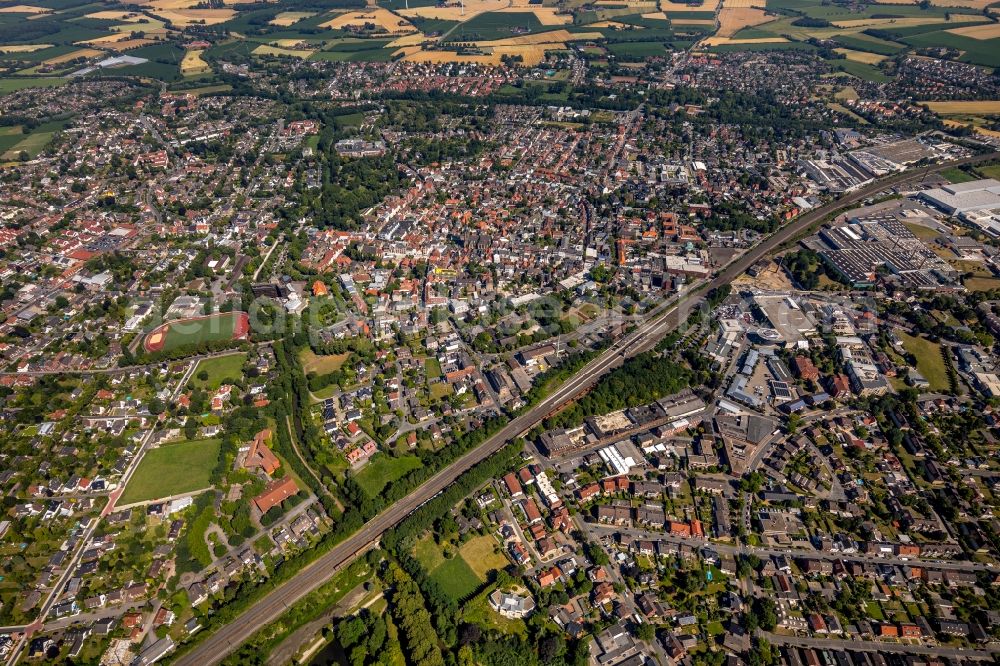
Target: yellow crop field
point(24, 9)
point(285, 19)
point(986, 31)
point(673, 7)
point(183, 18)
point(551, 37)
point(452, 56)
point(73, 55)
point(952, 108)
point(127, 44)
point(109, 15)
point(453, 12)
point(23, 48)
point(683, 21)
point(545, 15)
point(391, 23)
point(532, 54)
point(407, 40)
point(193, 63)
point(170, 4)
point(106, 39)
point(862, 56)
point(734, 19)
point(405, 51)
point(267, 49)
point(719, 41)
point(632, 4)
point(656, 16)
point(975, 128)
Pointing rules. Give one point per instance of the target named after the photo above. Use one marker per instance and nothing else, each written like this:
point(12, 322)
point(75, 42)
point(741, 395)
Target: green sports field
point(185, 332)
point(172, 469)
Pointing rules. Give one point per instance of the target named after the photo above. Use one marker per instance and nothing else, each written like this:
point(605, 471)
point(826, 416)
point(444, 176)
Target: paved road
point(662, 321)
point(117, 370)
point(599, 530)
point(987, 653)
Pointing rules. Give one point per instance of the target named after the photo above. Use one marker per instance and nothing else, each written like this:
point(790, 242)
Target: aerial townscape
point(500, 332)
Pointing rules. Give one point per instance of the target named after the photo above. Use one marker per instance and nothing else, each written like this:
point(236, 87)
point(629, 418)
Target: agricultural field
point(219, 370)
point(197, 330)
point(860, 69)
point(952, 108)
point(24, 9)
point(867, 43)
point(452, 11)
point(193, 64)
point(31, 143)
point(286, 19)
point(9, 85)
point(23, 48)
point(384, 20)
point(495, 25)
point(979, 50)
point(637, 50)
point(545, 15)
point(382, 470)
point(268, 50)
point(783, 21)
point(672, 8)
point(172, 469)
point(861, 56)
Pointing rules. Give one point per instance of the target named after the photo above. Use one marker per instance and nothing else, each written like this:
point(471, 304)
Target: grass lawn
point(173, 469)
point(432, 367)
point(427, 553)
point(874, 611)
point(322, 365)
point(483, 555)
point(326, 392)
point(930, 362)
point(383, 469)
point(440, 390)
point(220, 370)
point(456, 578)
point(956, 175)
point(921, 231)
point(989, 171)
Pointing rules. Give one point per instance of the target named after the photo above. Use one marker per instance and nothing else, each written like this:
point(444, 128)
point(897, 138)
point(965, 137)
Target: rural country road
point(662, 321)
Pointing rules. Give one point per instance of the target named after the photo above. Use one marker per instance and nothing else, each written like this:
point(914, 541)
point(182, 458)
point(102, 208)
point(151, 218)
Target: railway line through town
point(662, 320)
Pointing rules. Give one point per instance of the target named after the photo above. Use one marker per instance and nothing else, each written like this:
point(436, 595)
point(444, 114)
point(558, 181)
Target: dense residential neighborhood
point(613, 333)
